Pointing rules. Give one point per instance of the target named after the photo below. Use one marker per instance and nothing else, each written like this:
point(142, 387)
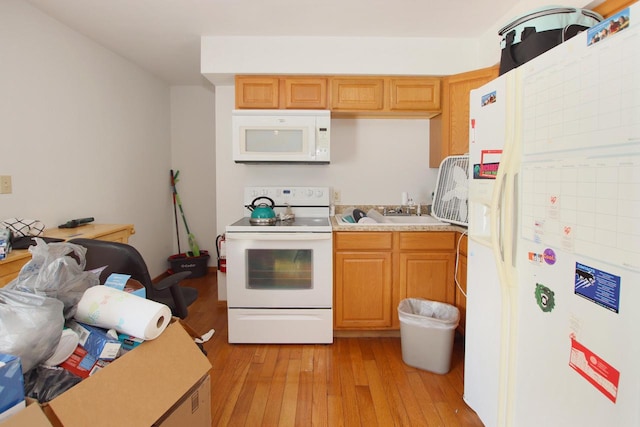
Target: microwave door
point(276, 143)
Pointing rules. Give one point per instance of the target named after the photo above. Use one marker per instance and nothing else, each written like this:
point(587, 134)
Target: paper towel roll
point(111, 308)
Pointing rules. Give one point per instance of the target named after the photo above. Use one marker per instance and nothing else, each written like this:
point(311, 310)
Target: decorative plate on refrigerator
point(452, 190)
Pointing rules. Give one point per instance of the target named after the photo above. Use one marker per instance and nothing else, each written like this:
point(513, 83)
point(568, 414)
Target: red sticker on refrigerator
point(488, 166)
point(599, 373)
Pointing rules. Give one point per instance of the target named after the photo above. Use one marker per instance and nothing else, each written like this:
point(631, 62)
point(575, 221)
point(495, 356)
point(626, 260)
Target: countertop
point(373, 227)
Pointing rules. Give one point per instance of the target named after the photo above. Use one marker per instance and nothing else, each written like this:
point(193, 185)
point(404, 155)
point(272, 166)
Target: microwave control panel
point(323, 137)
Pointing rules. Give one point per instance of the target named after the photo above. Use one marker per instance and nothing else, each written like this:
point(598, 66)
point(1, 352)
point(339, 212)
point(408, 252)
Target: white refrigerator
point(553, 278)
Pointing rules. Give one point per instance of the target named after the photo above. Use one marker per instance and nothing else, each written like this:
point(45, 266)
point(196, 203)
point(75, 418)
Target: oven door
point(279, 270)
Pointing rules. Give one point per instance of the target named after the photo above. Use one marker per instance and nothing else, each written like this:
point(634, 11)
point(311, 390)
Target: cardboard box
point(96, 340)
point(31, 416)
point(11, 385)
point(193, 410)
point(124, 282)
point(137, 389)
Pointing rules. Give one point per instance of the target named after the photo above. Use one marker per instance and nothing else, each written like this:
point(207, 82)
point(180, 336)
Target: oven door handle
point(278, 236)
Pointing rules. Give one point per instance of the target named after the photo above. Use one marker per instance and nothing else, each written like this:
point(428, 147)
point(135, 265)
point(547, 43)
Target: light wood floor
point(353, 382)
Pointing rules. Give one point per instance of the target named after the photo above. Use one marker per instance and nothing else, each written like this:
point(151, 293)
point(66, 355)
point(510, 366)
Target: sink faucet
point(397, 211)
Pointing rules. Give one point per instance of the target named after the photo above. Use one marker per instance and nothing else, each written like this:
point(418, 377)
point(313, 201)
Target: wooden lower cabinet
point(363, 280)
point(363, 290)
point(374, 271)
point(428, 275)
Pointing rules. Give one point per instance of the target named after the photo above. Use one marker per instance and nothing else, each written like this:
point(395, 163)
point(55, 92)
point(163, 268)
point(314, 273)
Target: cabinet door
point(414, 94)
point(305, 93)
point(363, 290)
point(257, 92)
point(427, 275)
point(361, 94)
point(449, 132)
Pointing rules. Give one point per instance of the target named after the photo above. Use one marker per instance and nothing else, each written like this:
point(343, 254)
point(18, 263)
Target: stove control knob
point(310, 192)
point(319, 193)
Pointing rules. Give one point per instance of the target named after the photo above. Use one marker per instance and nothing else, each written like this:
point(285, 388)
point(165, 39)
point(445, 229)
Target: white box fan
point(452, 191)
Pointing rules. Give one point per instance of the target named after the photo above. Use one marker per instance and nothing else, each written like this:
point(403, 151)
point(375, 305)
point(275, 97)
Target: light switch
point(5, 184)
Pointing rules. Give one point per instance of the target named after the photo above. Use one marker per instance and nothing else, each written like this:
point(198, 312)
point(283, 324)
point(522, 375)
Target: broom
point(195, 250)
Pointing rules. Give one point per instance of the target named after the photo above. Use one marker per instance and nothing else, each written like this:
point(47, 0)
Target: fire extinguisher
point(222, 253)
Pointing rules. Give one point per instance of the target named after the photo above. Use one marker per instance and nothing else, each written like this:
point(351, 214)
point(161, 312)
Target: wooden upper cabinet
point(301, 93)
point(278, 92)
point(611, 7)
point(346, 96)
point(357, 94)
point(385, 96)
point(449, 132)
point(414, 94)
point(257, 92)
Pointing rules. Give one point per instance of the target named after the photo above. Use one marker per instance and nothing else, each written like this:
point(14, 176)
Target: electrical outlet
point(5, 184)
point(336, 196)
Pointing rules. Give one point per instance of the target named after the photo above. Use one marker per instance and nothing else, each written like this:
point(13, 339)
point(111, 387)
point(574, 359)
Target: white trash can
point(427, 329)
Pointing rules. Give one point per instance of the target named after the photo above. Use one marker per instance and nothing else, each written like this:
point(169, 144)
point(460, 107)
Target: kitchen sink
point(412, 220)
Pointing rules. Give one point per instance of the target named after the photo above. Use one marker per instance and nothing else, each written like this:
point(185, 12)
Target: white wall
point(193, 154)
point(83, 132)
point(222, 57)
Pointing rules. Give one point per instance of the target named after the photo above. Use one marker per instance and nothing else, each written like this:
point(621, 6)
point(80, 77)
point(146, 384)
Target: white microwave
point(281, 136)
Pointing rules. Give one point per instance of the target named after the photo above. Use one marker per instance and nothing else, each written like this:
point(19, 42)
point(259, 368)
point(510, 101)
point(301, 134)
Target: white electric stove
point(280, 276)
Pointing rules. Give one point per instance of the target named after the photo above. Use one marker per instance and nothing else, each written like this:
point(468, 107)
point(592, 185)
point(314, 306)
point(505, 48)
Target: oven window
point(279, 269)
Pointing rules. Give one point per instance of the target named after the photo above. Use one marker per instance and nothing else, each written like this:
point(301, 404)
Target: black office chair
point(125, 259)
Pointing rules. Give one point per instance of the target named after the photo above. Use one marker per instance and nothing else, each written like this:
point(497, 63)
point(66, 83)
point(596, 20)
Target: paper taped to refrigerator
point(594, 369)
point(114, 309)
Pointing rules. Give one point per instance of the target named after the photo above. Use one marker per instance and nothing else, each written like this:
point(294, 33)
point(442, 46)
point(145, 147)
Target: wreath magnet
point(545, 298)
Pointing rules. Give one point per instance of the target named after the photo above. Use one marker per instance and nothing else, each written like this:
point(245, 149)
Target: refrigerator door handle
point(514, 220)
point(497, 216)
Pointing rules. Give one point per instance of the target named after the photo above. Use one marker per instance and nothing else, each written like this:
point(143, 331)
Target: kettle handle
point(253, 204)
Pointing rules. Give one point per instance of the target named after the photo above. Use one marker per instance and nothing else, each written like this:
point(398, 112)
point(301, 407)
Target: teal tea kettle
point(262, 214)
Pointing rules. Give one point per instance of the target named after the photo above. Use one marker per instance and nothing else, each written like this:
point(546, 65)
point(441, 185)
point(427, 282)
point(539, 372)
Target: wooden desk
point(11, 265)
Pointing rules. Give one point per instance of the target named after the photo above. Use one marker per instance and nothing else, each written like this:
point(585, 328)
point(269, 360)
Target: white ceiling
point(163, 36)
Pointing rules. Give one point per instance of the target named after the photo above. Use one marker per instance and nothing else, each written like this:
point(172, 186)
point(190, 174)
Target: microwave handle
point(312, 144)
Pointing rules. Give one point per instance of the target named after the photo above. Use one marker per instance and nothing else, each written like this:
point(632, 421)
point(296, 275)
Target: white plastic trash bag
point(426, 313)
point(30, 326)
point(56, 270)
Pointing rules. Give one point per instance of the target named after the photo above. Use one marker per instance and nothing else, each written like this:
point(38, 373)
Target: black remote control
point(76, 222)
